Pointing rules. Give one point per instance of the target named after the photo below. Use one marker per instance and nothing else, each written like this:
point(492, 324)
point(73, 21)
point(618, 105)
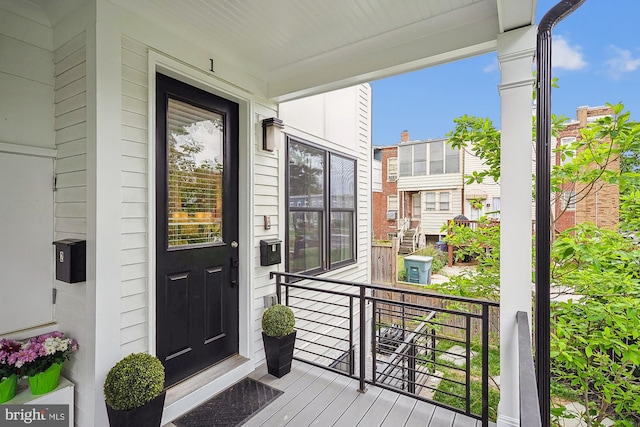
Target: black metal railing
point(529, 403)
point(429, 346)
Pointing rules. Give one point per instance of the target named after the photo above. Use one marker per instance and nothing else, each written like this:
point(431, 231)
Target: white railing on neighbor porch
point(403, 225)
point(418, 238)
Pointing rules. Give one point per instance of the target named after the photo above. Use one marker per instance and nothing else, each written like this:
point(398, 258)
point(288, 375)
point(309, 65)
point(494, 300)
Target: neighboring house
point(578, 203)
point(426, 188)
point(479, 199)
point(137, 126)
point(385, 201)
point(430, 184)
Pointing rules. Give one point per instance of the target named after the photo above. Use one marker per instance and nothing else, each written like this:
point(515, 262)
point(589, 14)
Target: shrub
point(134, 381)
point(278, 321)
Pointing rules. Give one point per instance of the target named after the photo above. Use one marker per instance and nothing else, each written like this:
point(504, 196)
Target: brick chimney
point(582, 113)
point(404, 136)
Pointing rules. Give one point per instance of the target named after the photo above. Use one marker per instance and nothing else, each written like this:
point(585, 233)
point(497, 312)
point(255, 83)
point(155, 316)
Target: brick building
point(385, 199)
point(577, 203)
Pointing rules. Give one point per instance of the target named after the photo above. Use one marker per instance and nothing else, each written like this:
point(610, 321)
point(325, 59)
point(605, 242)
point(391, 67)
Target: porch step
point(406, 247)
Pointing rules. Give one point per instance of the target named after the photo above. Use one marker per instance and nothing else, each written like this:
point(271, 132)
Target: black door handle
point(233, 274)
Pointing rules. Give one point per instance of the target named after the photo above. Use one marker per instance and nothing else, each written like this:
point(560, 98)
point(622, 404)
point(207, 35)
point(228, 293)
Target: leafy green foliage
point(629, 209)
point(596, 335)
point(483, 244)
point(606, 153)
point(134, 381)
point(596, 338)
point(480, 136)
point(278, 321)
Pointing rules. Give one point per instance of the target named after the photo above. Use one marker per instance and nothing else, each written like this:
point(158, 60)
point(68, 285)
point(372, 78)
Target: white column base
point(504, 421)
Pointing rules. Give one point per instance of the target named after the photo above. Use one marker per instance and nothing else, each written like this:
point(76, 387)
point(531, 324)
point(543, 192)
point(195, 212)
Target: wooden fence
point(451, 325)
point(384, 271)
point(384, 262)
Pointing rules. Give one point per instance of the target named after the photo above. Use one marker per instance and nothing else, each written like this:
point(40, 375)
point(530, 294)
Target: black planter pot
point(149, 415)
point(279, 352)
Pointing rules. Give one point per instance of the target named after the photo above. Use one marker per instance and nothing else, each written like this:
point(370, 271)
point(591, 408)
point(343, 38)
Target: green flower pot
point(46, 381)
point(8, 388)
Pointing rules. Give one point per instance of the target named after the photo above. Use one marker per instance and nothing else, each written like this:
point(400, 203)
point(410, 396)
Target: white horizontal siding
point(376, 176)
point(134, 209)
point(266, 186)
point(71, 137)
point(489, 187)
point(26, 80)
point(134, 287)
point(351, 136)
point(70, 100)
point(433, 221)
point(430, 182)
point(26, 29)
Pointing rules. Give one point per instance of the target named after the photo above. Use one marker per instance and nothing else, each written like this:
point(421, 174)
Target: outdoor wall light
point(271, 133)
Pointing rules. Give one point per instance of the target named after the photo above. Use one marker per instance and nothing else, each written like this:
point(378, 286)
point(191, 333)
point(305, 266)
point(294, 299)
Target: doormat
point(232, 407)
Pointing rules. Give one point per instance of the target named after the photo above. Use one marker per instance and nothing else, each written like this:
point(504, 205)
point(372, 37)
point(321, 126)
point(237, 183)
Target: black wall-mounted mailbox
point(71, 260)
point(270, 251)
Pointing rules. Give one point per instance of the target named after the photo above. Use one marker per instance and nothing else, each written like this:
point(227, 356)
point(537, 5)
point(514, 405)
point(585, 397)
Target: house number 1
point(211, 68)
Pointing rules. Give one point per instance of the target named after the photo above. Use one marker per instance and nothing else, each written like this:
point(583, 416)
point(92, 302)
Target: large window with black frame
point(321, 210)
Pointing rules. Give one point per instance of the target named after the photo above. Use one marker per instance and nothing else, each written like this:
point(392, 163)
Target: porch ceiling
point(300, 47)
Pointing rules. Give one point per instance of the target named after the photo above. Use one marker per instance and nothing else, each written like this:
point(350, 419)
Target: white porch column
point(104, 198)
point(515, 55)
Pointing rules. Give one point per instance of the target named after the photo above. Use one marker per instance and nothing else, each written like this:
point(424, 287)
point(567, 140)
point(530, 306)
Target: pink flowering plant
point(39, 353)
point(8, 348)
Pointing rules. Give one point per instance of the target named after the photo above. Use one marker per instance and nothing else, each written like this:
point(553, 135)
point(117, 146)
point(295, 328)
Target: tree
point(595, 341)
point(596, 335)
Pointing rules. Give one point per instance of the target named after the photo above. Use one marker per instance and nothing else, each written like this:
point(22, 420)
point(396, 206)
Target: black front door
point(196, 228)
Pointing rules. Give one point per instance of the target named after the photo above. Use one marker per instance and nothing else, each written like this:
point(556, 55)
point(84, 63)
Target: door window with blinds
point(195, 164)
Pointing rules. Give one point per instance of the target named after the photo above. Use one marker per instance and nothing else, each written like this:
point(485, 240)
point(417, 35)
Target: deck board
point(464, 421)
point(400, 412)
point(442, 418)
point(317, 397)
point(289, 411)
point(358, 408)
point(290, 393)
point(421, 414)
point(330, 415)
point(321, 402)
point(379, 410)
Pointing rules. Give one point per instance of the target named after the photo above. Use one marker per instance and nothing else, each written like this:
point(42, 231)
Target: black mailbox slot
point(71, 260)
point(270, 250)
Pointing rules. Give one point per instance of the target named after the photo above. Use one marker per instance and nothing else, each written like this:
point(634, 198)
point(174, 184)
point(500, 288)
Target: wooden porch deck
point(313, 396)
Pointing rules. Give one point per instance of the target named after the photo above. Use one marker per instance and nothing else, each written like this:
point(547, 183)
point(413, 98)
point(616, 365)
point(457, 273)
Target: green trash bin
point(418, 269)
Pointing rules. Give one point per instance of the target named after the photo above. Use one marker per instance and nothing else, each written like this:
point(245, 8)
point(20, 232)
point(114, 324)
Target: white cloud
point(490, 68)
point(621, 62)
point(566, 56)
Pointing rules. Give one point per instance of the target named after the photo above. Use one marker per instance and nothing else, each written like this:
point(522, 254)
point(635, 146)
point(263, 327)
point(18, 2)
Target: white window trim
point(568, 140)
point(440, 193)
point(568, 203)
point(392, 177)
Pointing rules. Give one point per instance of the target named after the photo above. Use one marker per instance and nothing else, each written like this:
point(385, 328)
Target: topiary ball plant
point(278, 321)
point(134, 381)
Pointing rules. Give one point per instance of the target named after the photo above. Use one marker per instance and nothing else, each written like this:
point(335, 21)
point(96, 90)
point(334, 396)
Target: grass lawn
point(453, 388)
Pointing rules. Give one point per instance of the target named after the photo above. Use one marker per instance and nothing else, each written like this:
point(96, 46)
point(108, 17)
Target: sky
point(595, 55)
